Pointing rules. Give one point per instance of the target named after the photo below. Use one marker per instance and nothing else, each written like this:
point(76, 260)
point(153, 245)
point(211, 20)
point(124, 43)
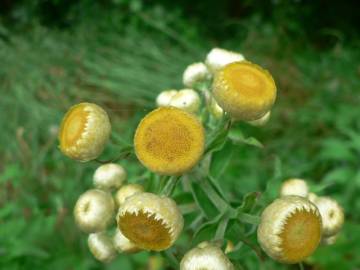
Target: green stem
point(247, 218)
point(221, 229)
point(188, 208)
point(214, 197)
point(301, 266)
point(170, 186)
point(124, 153)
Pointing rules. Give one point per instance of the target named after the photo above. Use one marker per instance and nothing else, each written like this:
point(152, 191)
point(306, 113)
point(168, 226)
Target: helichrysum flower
point(261, 121)
point(187, 100)
point(122, 244)
point(312, 197)
point(332, 215)
point(84, 131)
point(109, 176)
point(290, 229)
point(244, 90)
point(195, 73)
point(163, 99)
point(206, 256)
point(150, 221)
point(101, 246)
point(94, 210)
point(169, 141)
point(294, 186)
point(218, 58)
point(126, 191)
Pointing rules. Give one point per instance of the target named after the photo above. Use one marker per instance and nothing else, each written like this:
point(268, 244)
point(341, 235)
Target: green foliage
point(122, 62)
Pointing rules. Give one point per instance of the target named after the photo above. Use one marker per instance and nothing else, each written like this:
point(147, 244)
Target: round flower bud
point(94, 210)
point(194, 73)
point(163, 99)
point(261, 121)
point(206, 256)
point(84, 131)
point(122, 244)
point(244, 90)
point(187, 100)
point(218, 58)
point(330, 240)
point(332, 215)
point(109, 176)
point(169, 141)
point(101, 246)
point(150, 221)
point(312, 197)
point(290, 229)
point(126, 191)
point(294, 186)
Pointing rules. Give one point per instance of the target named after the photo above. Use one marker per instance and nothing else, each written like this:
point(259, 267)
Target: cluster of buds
point(170, 141)
point(293, 226)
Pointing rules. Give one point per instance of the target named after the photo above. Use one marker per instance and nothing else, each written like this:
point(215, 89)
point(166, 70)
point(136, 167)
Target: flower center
point(301, 235)
point(168, 139)
point(146, 231)
point(73, 126)
point(249, 81)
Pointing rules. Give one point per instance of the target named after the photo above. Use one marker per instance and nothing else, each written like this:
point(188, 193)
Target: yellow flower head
point(290, 229)
point(94, 210)
point(205, 256)
point(169, 141)
point(151, 222)
point(244, 90)
point(294, 186)
point(126, 191)
point(101, 246)
point(124, 245)
point(84, 131)
point(332, 215)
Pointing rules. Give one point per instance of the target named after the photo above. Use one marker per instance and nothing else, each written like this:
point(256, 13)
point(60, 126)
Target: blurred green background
point(121, 54)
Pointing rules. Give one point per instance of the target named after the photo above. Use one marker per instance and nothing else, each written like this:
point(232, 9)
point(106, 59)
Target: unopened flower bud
point(332, 215)
point(94, 210)
point(206, 256)
point(101, 246)
point(109, 176)
point(126, 191)
point(163, 99)
point(218, 58)
point(169, 141)
point(187, 100)
point(244, 90)
point(84, 131)
point(294, 186)
point(290, 229)
point(150, 221)
point(261, 121)
point(124, 245)
point(195, 73)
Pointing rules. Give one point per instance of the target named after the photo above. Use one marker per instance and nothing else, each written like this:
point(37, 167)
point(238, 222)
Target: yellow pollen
point(300, 236)
point(73, 126)
point(169, 141)
point(145, 231)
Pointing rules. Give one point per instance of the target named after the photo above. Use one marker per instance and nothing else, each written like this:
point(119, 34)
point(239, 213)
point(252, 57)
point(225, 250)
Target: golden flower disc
point(244, 90)
point(290, 229)
point(169, 141)
point(151, 222)
point(84, 131)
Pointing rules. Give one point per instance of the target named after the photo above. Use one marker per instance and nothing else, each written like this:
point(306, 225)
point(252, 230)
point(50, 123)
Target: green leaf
point(203, 201)
point(249, 201)
point(237, 137)
point(220, 160)
point(218, 139)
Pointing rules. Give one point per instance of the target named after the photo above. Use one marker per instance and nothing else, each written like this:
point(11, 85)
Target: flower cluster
point(174, 142)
